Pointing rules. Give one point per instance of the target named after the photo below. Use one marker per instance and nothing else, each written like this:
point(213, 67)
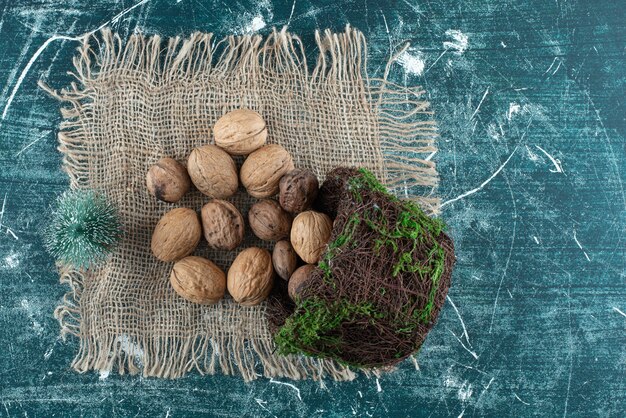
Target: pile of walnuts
point(268, 170)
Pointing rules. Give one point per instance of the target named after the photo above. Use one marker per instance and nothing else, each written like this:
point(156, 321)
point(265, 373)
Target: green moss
point(412, 225)
point(313, 328)
point(315, 324)
point(342, 239)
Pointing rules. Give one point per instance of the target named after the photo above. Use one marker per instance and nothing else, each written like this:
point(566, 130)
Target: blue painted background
point(529, 97)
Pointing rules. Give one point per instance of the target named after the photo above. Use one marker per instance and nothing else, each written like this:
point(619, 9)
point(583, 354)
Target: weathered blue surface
point(531, 91)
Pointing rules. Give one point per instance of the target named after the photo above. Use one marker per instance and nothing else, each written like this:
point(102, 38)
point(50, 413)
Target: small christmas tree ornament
point(83, 229)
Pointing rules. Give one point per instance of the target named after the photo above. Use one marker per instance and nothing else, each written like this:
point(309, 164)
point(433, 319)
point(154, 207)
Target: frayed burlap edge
point(406, 135)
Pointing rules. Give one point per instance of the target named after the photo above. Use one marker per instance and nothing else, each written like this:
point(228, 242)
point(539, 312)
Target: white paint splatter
point(261, 402)
point(460, 319)
point(53, 38)
point(580, 246)
point(483, 184)
point(255, 25)
point(33, 142)
point(293, 7)
point(415, 363)
point(430, 156)
point(458, 43)
point(412, 62)
point(11, 261)
point(619, 311)
point(130, 348)
point(465, 392)
point(464, 389)
point(267, 6)
point(513, 109)
point(37, 327)
point(557, 163)
point(31, 311)
point(27, 306)
point(480, 104)
point(104, 374)
point(536, 239)
point(9, 230)
point(287, 384)
point(378, 388)
point(519, 399)
point(472, 353)
point(48, 352)
point(531, 155)
point(493, 132)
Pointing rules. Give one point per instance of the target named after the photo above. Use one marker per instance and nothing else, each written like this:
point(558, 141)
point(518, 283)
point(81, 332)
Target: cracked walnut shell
point(176, 235)
point(198, 280)
point(269, 221)
point(310, 233)
point(298, 280)
point(240, 132)
point(285, 259)
point(222, 225)
point(213, 171)
point(251, 276)
point(298, 190)
point(168, 180)
point(262, 170)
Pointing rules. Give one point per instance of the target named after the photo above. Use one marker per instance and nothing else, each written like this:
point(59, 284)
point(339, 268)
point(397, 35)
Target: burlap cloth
point(142, 99)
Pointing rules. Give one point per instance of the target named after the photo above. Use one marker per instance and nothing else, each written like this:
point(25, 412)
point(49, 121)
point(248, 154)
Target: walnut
point(176, 235)
point(310, 233)
point(251, 276)
point(284, 259)
point(269, 221)
point(168, 180)
point(240, 132)
point(298, 190)
point(262, 170)
point(213, 171)
point(298, 280)
point(222, 224)
point(198, 280)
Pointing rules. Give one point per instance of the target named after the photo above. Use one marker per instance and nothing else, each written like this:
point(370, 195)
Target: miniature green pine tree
point(83, 228)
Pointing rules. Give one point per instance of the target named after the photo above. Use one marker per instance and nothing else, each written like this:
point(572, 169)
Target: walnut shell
point(269, 221)
point(176, 235)
point(213, 171)
point(251, 276)
point(240, 132)
point(298, 279)
point(298, 190)
point(310, 233)
point(262, 170)
point(168, 180)
point(198, 280)
point(222, 224)
point(284, 259)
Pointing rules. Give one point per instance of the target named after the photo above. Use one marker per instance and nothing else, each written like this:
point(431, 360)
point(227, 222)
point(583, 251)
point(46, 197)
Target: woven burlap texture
point(138, 100)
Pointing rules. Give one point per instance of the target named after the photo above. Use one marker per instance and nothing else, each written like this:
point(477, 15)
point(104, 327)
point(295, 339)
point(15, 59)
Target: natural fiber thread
point(138, 100)
point(379, 285)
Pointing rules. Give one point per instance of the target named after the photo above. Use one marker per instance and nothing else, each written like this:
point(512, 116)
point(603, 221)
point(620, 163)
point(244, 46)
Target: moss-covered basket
point(380, 284)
